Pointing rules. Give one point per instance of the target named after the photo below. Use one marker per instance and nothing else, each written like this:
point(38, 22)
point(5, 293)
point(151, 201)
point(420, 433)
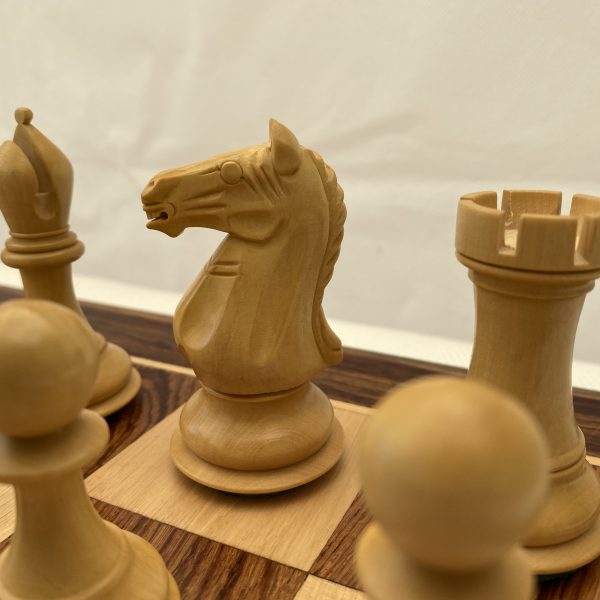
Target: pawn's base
point(568, 556)
point(258, 482)
point(147, 576)
point(140, 574)
point(385, 573)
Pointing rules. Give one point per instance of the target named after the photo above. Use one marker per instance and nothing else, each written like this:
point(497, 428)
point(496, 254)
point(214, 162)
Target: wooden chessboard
point(297, 544)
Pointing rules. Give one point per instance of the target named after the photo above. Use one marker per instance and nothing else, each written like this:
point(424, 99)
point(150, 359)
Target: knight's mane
point(327, 341)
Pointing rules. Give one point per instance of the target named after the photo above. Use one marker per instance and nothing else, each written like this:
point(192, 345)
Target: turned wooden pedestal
point(532, 269)
point(251, 325)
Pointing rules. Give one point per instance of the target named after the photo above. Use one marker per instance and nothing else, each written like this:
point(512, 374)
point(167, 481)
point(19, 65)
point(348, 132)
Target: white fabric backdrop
point(412, 103)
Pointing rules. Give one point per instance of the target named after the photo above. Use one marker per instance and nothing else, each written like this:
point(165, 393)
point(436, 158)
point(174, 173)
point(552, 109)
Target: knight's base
point(568, 556)
point(121, 397)
point(384, 573)
point(258, 482)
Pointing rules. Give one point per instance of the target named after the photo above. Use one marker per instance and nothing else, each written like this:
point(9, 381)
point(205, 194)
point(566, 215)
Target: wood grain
point(584, 584)
point(161, 393)
point(587, 412)
point(206, 569)
point(361, 378)
point(336, 561)
point(42, 246)
point(141, 334)
point(316, 588)
point(7, 502)
point(290, 527)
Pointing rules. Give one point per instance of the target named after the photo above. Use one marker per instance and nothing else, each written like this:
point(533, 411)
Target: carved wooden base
point(121, 398)
point(535, 315)
point(146, 577)
point(568, 556)
point(257, 444)
point(258, 482)
point(257, 432)
point(61, 549)
point(566, 533)
point(385, 573)
point(140, 573)
point(117, 382)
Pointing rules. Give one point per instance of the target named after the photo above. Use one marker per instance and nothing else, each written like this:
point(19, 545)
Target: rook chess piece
point(251, 325)
point(532, 268)
point(36, 181)
point(61, 548)
point(453, 472)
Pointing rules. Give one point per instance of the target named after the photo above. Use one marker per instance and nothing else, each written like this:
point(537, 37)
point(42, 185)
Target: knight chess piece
point(36, 183)
point(532, 268)
point(61, 548)
point(453, 472)
point(251, 325)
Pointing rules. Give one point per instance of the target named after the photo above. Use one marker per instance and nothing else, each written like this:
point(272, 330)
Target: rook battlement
point(528, 231)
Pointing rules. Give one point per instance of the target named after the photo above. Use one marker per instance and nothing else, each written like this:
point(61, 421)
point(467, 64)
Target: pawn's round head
point(453, 470)
point(48, 366)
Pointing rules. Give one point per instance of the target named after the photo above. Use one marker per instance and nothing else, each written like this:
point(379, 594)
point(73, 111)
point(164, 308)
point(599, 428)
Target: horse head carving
point(252, 322)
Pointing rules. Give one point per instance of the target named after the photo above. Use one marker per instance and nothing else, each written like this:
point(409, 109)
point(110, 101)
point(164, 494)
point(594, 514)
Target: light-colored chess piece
point(36, 182)
point(532, 268)
point(251, 325)
point(61, 548)
point(453, 472)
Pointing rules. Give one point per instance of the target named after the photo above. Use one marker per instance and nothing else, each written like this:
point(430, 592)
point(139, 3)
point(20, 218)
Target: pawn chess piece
point(532, 269)
point(453, 472)
point(36, 181)
point(251, 325)
point(61, 548)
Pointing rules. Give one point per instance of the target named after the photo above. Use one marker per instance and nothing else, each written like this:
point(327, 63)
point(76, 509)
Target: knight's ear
point(285, 149)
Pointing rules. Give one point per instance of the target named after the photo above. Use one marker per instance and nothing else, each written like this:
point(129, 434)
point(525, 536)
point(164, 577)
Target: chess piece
point(36, 181)
point(61, 548)
point(453, 472)
point(251, 325)
point(532, 268)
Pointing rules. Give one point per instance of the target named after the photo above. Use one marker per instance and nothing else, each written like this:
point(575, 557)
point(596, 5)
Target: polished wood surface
point(207, 569)
point(61, 548)
point(449, 510)
point(251, 324)
point(532, 268)
point(36, 184)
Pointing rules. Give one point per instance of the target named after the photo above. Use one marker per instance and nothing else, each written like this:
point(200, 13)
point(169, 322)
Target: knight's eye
point(231, 172)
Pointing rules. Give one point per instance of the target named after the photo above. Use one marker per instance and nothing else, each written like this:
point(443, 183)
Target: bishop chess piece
point(36, 182)
point(251, 325)
point(453, 472)
point(532, 268)
point(61, 548)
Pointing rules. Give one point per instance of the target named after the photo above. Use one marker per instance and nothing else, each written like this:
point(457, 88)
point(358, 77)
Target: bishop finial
point(23, 115)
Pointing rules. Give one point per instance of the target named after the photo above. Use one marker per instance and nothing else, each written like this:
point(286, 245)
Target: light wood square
point(315, 587)
point(7, 510)
point(290, 527)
